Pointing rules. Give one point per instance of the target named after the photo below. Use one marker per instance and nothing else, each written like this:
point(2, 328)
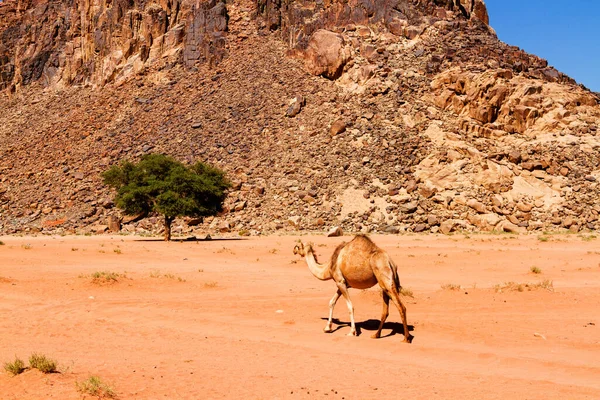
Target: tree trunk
point(168, 221)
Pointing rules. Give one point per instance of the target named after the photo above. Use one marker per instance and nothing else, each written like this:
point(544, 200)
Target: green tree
point(161, 184)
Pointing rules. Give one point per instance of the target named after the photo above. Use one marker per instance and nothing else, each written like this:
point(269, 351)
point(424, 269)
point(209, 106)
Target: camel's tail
point(394, 269)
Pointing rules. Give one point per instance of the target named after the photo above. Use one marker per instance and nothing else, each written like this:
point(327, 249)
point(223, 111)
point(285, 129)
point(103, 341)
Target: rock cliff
point(390, 115)
point(63, 43)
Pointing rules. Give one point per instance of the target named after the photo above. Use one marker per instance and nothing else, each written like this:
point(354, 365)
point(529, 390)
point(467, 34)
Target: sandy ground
point(244, 319)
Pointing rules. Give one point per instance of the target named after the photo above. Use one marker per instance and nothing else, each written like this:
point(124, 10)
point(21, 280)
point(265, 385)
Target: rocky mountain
point(374, 115)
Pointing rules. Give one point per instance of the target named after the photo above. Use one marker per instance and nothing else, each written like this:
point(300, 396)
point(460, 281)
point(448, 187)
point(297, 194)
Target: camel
point(358, 264)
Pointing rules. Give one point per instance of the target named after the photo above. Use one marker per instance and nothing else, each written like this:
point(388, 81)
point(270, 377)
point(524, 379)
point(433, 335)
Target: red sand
point(244, 319)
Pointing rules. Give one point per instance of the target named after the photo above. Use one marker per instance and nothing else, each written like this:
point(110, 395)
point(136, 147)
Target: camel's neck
point(320, 271)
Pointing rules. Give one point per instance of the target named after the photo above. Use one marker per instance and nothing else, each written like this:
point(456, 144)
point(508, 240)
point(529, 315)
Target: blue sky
point(566, 33)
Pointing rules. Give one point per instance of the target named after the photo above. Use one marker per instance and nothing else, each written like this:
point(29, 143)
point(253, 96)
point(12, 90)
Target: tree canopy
point(161, 184)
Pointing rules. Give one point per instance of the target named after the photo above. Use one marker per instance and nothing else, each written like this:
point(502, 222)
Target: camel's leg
point(342, 287)
point(332, 302)
point(384, 314)
point(385, 272)
point(396, 299)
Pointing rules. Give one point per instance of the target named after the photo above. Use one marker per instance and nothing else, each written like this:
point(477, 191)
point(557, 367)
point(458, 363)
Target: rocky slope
point(373, 115)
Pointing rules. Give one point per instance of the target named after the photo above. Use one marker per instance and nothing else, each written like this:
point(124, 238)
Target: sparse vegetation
point(74, 249)
point(100, 277)
point(225, 250)
point(587, 238)
point(42, 363)
point(94, 386)
point(16, 367)
point(118, 251)
point(211, 284)
point(522, 287)
point(543, 238)
point(1, 243)
point(450, 286)
point(535, 270)
point(157, 274)
point(26, 246)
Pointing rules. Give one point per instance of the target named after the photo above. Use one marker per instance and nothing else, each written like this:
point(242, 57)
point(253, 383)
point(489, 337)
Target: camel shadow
point(372, 325)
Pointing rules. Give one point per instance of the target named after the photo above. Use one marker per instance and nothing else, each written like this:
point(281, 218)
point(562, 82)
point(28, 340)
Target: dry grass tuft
point(450, 286)
point(157, 274)
point(94, 386)
point(522, 287)
point(106, 277)
point(42, 363)
point(16, 367)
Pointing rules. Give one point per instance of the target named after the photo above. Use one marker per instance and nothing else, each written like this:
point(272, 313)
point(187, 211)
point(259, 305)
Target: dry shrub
point(16, 367)
point(42, 363)
point(522, 287)
point(95, 387)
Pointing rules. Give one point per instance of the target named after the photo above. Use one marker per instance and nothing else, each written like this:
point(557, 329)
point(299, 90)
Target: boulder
point(326, 54)
point(295, 106)
point(448, 226)
point(392, 229)
point(507, 226)
point(408, 208)
point(224, 226)
point(337, 127)
point(419, 228)
point(294, 221)
point(477, 206)
point(114, 223)
point(98, 229)
point(335, 231)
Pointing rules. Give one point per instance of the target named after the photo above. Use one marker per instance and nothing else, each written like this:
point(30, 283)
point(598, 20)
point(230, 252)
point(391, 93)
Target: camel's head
point(299, 249)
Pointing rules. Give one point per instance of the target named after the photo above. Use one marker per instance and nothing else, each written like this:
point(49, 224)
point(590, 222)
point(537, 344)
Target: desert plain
point(493, 317)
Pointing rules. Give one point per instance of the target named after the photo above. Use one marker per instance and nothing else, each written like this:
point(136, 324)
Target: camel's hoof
point(375, 336)
point(327, 329)
point(408, 339)
point(353, 333)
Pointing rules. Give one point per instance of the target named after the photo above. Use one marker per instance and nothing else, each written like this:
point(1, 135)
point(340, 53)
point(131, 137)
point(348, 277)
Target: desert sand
point(243, 318)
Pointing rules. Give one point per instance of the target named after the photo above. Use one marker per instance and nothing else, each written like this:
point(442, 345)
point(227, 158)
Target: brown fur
point(336, 253)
